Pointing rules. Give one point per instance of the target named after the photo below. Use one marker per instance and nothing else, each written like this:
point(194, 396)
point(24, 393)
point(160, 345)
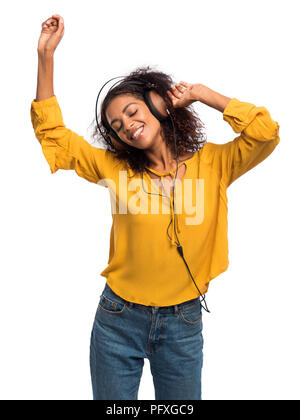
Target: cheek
point(153, 124)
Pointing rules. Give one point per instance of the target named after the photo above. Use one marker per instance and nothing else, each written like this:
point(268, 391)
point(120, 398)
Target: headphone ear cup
point(154, 100)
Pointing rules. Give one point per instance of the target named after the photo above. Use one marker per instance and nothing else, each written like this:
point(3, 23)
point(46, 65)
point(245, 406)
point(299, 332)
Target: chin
point(142, 145)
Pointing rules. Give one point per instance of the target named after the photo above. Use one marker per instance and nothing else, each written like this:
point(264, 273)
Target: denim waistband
point(109, 293)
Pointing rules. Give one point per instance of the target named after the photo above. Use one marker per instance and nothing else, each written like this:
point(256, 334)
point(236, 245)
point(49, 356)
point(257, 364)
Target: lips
point(138, 136)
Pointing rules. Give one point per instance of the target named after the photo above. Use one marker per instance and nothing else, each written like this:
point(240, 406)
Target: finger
point(180, 88)
point(176, 92)
point(46, 26)
point(45, 23)
point(52, 22)
point(60, 27)
point(58, 17)
point(61, 24)
point(48, 23)
point(55, 21)
point(185, 84)
point(172, 97)
point(170, 94)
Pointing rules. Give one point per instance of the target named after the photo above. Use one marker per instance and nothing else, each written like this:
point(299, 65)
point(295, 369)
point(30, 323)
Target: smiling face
point(126, 114)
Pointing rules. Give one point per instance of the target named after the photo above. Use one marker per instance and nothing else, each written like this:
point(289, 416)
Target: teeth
point(137, 132)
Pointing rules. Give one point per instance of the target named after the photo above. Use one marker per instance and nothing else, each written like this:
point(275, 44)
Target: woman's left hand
point(183, 94)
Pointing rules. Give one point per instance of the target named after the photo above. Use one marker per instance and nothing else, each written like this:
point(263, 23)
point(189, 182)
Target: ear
point(159, 103)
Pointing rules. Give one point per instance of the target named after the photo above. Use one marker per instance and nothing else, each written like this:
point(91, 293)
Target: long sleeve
point(63, 148)
point(259, 135)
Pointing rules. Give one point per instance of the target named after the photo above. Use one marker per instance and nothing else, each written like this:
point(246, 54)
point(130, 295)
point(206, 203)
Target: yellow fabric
point(144, 265)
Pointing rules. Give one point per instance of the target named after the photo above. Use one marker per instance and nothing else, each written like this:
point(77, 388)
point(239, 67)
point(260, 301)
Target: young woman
point(151, 305)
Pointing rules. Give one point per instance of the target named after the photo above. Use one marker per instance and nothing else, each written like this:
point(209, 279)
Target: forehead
point(117, 104)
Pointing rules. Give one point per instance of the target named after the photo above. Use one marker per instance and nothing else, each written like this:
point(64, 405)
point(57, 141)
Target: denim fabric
point(124, 333)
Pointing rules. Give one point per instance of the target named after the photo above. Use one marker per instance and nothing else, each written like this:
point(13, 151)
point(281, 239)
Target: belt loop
point(175, 310)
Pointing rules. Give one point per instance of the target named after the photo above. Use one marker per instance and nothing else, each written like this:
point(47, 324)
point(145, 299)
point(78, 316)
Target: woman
point(150, 306)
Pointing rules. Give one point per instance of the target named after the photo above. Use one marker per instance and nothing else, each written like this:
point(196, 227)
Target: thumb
point(60, 26)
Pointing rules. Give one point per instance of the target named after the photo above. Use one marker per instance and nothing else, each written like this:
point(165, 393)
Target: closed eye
point(131, 115)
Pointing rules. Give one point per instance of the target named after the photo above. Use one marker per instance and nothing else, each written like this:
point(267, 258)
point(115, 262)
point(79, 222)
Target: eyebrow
point(124, 109)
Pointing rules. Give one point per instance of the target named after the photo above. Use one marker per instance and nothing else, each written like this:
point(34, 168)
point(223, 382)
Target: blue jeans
point(124, 333)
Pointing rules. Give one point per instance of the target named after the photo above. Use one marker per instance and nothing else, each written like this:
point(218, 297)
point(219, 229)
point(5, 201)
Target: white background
point(55, 228)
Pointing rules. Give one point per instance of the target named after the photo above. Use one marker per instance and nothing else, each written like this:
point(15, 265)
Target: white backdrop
point(55, 228)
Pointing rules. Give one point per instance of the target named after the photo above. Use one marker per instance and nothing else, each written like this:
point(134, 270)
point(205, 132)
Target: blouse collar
point(187, 161)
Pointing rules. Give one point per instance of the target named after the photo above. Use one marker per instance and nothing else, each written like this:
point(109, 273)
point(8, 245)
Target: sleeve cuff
point(46, 112)
point(231, 107)
point(45, 102)
point(239, 114)
point(253, 121)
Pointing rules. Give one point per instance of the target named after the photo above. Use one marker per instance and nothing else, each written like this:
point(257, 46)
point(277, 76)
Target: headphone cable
point(178, 245)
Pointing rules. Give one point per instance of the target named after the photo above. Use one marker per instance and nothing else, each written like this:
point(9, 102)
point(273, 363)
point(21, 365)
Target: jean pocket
point(191, 314)
point(111, 306)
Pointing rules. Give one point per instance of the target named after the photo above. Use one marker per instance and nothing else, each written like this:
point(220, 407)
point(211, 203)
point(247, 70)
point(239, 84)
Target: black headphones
point(148, 86)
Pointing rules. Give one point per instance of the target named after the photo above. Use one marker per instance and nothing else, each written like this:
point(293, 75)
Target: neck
point(161, 157)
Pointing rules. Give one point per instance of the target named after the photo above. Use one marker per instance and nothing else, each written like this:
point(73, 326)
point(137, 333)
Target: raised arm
point(259, 135)
point(62, 147)
point(51, 34)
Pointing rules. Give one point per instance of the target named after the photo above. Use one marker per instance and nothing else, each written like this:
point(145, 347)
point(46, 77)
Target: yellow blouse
point(144, 265)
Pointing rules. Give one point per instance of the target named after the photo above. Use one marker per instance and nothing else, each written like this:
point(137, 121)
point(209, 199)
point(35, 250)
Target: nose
point(128, 124)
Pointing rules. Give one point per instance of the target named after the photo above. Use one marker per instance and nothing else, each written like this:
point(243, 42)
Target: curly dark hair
point(188, 126)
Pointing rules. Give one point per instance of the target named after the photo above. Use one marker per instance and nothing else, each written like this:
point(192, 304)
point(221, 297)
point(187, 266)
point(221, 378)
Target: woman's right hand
point(52, 33)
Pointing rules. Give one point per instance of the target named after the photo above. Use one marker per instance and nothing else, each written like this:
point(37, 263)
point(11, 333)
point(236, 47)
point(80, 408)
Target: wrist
point(211, 98)
point(202, 92)
point(45, 54)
